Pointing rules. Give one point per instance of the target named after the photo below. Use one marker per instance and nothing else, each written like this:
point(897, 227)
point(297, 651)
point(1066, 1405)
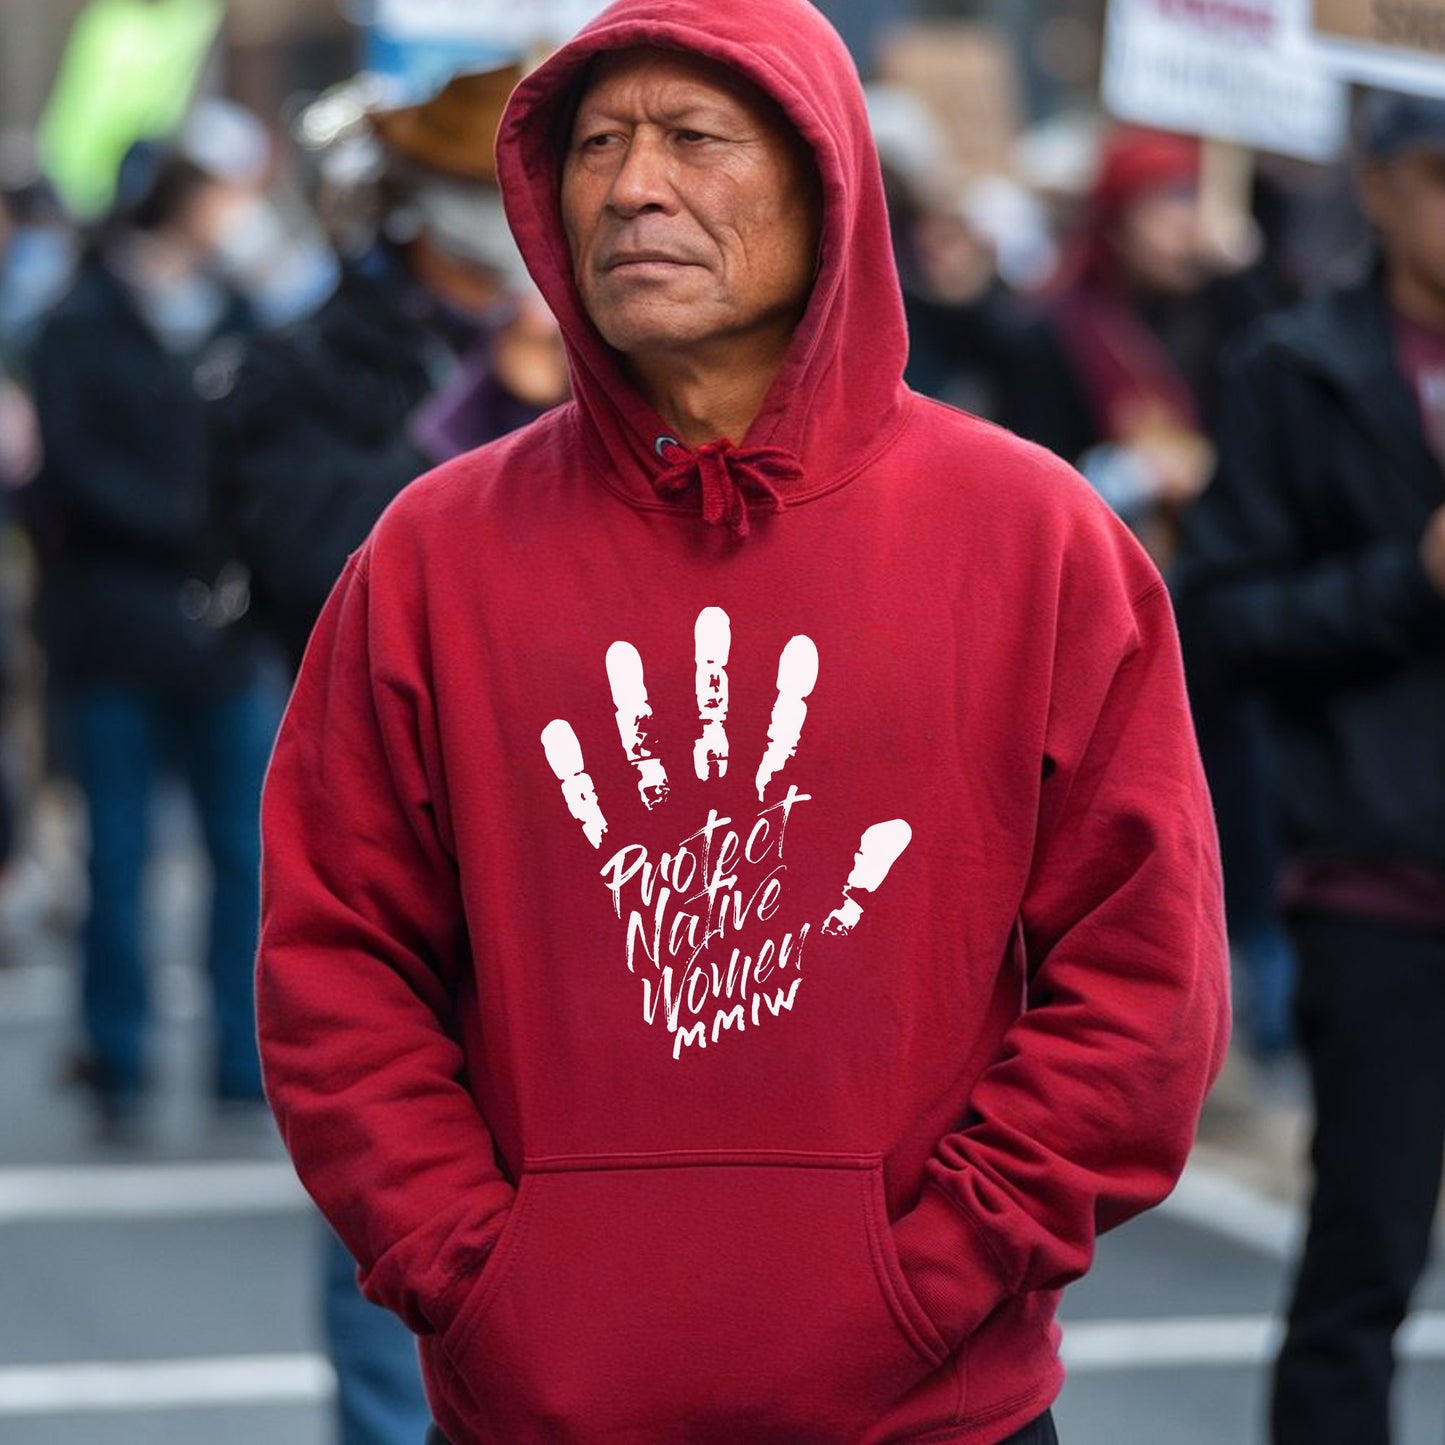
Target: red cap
point(1138, 162)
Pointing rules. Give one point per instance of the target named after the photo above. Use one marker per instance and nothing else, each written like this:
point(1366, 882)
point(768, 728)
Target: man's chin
point(637, 331)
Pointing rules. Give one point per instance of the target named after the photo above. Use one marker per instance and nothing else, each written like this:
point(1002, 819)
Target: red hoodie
point(720, 987)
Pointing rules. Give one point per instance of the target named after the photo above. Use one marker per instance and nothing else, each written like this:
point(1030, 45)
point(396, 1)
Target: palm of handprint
point(880, 845)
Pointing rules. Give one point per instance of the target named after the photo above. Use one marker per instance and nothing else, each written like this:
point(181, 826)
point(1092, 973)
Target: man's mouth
point(624, 259)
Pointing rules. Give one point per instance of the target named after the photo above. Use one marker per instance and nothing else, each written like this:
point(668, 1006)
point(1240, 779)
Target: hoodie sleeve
point(363, 942)
point(1088, 1113)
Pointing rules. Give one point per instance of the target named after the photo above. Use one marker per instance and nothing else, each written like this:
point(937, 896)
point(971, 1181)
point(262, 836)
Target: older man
point(742, 910)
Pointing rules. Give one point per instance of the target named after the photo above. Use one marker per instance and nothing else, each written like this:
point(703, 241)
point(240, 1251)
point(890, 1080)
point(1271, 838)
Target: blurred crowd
point(222, 358)
point(218, 369)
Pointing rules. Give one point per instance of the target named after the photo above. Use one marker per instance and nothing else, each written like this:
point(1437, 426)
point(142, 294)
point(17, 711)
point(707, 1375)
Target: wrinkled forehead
point(679, 77)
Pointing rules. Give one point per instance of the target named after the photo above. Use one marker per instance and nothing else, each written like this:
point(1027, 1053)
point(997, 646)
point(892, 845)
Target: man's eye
point(691, 137)
point(599, 141)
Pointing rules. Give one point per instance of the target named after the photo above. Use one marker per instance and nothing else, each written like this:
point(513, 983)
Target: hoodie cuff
point(953, 1273)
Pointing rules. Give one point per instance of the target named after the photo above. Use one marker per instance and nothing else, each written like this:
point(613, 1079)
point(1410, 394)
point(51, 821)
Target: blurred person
point(629, 1193)
point(1120, 377)
point(430, 346)
point(1116, 380)
point(269, 251)
point(39, 252)
point(433, 343)
point(19, 455)
point(142, 613)
point(1316, 560)
point(28, 285)
point(964, 331)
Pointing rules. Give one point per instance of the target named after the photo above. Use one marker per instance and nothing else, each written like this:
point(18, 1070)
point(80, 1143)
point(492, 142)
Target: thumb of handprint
point(682, 910)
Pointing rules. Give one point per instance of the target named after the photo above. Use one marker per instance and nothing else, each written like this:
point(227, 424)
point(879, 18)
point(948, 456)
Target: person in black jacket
point(1315, 563)
point(143, 618)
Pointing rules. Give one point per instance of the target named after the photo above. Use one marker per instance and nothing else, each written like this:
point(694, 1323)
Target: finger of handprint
point(714, 639)
point(629, 693)
point(797, 677)
point(880, 848)
point(564, 753)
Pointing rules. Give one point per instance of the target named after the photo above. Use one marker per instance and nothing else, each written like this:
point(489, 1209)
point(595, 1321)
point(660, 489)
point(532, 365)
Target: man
point(765, 1076)
point(1316, 563)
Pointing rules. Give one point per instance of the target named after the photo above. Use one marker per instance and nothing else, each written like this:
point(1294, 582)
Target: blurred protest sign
point(499, 22)
point(1396, 44)
point(965, 74)
point(1229, 70)
point(419, 44)
point(130, 71)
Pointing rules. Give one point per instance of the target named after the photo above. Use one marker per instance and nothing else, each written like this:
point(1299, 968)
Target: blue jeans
point(121, 737)
point(380, 1399)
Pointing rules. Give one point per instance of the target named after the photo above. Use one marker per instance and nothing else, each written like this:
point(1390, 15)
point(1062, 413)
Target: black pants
point(1372, 1025)
point(1041, 1432)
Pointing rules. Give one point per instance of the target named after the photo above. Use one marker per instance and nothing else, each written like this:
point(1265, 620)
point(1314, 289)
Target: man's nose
point(643, 180)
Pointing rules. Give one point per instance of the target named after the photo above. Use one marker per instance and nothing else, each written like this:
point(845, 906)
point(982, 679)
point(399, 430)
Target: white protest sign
point(1230, 70)
point(1396, 44)
point(505, 24)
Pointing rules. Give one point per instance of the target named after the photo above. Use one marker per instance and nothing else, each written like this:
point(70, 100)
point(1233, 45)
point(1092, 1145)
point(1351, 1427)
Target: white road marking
point(1214, 1201)
point(1090, 1347)
point(1205, 1198)
point(1100, 1346)
point(104, 1386)
point(46, 992)
point(72, 1193)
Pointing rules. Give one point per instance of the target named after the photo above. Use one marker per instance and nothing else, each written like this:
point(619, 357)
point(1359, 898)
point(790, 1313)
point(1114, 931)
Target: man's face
point(1405, 198)
point(690, 208)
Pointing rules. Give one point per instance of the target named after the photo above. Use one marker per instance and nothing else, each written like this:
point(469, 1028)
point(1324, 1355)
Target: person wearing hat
point(432, 343)
point(1118, 357)
point(1316, 560)
point(429, 346)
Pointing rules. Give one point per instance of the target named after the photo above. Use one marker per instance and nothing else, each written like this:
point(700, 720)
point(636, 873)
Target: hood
point(838, 398)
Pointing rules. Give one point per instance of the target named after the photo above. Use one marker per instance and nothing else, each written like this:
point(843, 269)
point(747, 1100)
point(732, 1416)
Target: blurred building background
point(274, 49)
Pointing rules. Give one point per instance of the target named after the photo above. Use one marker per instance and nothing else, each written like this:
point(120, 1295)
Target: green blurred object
point(130, 70)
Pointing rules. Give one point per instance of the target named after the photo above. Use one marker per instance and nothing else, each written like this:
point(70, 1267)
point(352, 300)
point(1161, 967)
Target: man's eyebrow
point(696, 112)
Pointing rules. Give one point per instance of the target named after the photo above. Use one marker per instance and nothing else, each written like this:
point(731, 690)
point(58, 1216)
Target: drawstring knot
point(726, 475)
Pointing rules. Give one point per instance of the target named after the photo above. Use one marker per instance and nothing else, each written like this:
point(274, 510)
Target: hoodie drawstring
point(726, 475)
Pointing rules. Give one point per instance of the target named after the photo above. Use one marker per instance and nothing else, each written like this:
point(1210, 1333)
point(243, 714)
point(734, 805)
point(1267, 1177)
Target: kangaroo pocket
point(670, 1298)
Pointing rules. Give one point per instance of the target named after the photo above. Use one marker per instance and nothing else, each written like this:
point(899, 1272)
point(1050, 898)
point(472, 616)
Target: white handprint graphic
point(689, 900)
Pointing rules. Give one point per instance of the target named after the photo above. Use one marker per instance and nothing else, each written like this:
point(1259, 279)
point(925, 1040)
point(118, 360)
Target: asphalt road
point(172, 1295)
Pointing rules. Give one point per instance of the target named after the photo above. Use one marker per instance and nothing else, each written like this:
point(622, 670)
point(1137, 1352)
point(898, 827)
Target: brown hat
point(455, 132)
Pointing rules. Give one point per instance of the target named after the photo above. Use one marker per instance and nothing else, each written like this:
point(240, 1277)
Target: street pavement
point(171, 1293)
